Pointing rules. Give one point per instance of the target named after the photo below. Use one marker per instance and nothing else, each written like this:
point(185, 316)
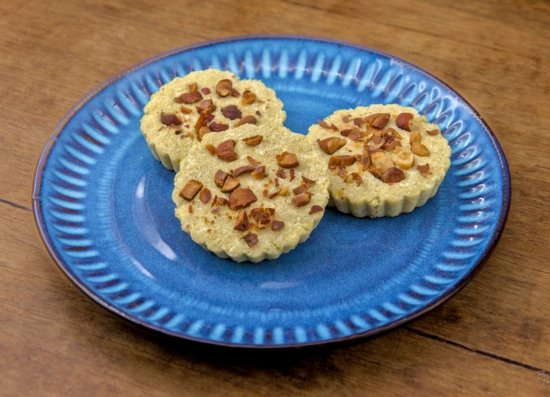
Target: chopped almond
point(301, 199)
point(331, 145)
point(211, 149)
point(226, 150)
point(217, 127)
point(287, 160)
point(169, 119)
point(220, 177)
point(253, 140)
point(378, 120)
point(419, 149)
point(262, 215)
point(192, 87)
point(381, 160)
point(242, 222)
point(186, 110)
point(315, 208)
point(341, 161)
point(405, 160)
point(259, 172)
point(364, 159)
point(240, 198)
point(354, 176)
point(205, 91)
point(403, 121)
point(190, 190)
point(230, 184)
point(205, 195)
point(292, 174)
point(252, 160)
point(248, 97)
point(324, 124)
point(206, 106)
point(284, 191)
point(393, 175)
point(243, 170)
point(307, 182)
point(251, 239)
point(246, 120)
point(277, 225)
point(189, 97)
point(414, 137)
point(219, 201)
point(433, 132)
point(281, 173)
point(223, 88)
point(300, 189)
point(423, 169)
point(232, 112)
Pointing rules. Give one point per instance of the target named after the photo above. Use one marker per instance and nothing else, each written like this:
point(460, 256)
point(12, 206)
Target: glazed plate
point(103, 207)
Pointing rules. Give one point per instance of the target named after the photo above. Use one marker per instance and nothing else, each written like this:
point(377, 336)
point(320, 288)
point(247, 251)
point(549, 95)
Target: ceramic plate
point(103, 207)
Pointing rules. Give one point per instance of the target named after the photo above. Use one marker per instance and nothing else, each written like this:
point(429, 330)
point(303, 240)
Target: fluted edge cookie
point(383, 160)
point(185, 109)
point(251, 194)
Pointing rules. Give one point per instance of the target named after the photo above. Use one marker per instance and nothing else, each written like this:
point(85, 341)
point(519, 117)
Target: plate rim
point(68, 272)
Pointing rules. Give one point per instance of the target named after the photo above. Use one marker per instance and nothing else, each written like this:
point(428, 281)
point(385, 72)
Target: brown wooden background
point(493, 338)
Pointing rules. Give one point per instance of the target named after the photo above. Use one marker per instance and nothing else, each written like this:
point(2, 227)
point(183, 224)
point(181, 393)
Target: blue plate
point(103, 208)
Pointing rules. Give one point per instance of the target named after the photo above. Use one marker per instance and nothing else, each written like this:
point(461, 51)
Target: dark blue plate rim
point(48, 244)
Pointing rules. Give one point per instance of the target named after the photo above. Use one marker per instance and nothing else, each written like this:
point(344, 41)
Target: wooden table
point(493, 338)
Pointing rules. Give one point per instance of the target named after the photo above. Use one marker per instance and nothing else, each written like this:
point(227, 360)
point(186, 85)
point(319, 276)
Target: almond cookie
point(251, 194)
point(187, 108)
point(383, 160)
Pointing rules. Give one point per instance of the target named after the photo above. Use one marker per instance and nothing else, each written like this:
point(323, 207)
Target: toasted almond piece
point(419, 149)
point(205, 91)
point(217, 127)
point(219, 201)
point(284, 191)
point(273, 193)
point(403, 121)
point(246, 120)
point(433, 132)
point(292, 174)
point(186, 110)
point(232, 112)
point(424, 169)
point(252, 160)
point(230, 184)
point(364, 159)
point(262, 215)
point(202, 132)
point(234, 93)
point(414, 137)
point(315, 208)
point(259, 172)
point(251, 239)
point(240, 198)
point(393, 175)
point(223, 87)
point(242, 222)
point(220, 177)
point(300, 189)
point(243, 170)
point(381, 160)
point(281, 173)
point(192, 87)
point(331, 145)
point(390, 143)
point(324, 124)
point(346, 118)
point(253, 140)
point(342, 172)
point(226, 150)
point(277, 225)
point(355, 177)
point(287, 160)
point(376, 143)
point(378, 120)
point(391, 132)
point(188, 97)
point(307, 182)
point(205, 195)
point(358, 121)
point(341, 161)
point(248, 97)
point(190, 190)
point(355, 135)
point(211, 149)
point(206, 106)
point(169, 119)
point(405, 160)
point(301, 199)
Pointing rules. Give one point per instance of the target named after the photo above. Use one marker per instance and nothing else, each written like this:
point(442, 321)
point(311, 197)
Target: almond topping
point(251, 239)
point(331, 145)
point(206, 106)
point(324, 124)
point(346, 118)
point(230, 184)
point(223, 88)
point(393, 175)
point(390, 143)
point(240, 198)
point(354, 176)
point(185, 110)
point(403, 120)
point(315, 208)
point(419, 149)
point(307, 182)
point(219, 201)
point(414, 137)
point(192, 87)
point(226, 150)
point(341, 161)
point(253, 140)
point(277, 225)
point(234, 93)
point(376, 143)
point(259, 172)
point(232, 112)
point(220, 177)
point(300, 189)
point(378, 120)
point(189, 97)
point(405, 160)
point(292, 174)
point(281, 173)
point(423, 169)
point(358, 121)
point(246, 120)
point(211, 149)
point(252, 160)
point(284, 191)
point(354, 135)
point(365, 160)
point(169, 119)
point(287, 160)
point(205, 195)
point(217, 127)
point(205, 91)
point(301, 199)
point(248, 97)
point(243, 170)
point(273, 193)
point(190, 190)
point(242, 222)
point(381, 160)
point(433, 132)
point(262, 215)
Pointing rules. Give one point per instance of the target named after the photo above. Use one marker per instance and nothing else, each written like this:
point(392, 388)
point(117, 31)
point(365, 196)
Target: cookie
point(383, 160)
point(251, 193)
point(187, 108)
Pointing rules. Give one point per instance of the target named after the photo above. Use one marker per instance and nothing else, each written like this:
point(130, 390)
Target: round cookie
point(251, 194)
point(187, 108)
point(383, 160)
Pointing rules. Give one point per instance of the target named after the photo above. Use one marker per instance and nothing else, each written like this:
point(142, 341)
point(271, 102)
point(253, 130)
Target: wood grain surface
point(493, 338)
